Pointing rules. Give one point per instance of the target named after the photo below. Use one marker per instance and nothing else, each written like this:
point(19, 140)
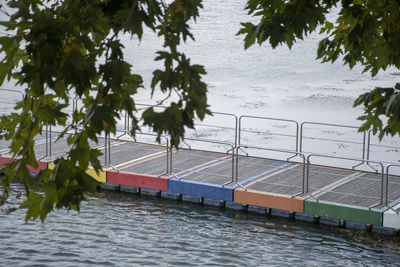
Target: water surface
point(123, 229)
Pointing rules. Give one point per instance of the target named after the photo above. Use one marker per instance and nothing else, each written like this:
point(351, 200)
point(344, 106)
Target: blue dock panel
point(210, 191)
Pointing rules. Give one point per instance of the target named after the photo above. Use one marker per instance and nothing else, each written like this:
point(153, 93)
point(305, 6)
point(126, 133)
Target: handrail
point(140, 133)
point(352, 159)
point(167, 147)
point(274, 150)
point(236, 124)
point(271, 119)
point(334, 125)
point(12, 101)
point(387, 184)
point(232, 148)
point(369, 145)
point(47, 143)
point(125, 130)
point(235, 128)
point(49, 130)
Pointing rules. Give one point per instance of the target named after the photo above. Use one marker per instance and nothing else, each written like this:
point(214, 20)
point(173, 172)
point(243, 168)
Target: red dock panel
point(41, 165)
point(137, 180)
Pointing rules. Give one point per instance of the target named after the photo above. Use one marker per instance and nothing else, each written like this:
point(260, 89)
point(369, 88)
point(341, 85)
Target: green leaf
point(32, 203)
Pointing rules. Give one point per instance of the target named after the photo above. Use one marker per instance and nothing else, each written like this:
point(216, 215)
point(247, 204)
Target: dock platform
point(293, 186)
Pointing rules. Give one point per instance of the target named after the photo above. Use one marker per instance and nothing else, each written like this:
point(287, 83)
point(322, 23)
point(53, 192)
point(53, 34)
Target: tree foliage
point(61, 50)
point(365, 32)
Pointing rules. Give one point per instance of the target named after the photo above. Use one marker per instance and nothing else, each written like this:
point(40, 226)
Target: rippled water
point(124, 229)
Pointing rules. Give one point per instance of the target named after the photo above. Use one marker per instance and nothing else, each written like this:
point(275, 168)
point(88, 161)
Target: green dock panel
point(343, 212)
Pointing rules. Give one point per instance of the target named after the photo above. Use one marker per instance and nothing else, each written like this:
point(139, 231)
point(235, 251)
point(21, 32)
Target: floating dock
point(362, 195)
point(241, 181)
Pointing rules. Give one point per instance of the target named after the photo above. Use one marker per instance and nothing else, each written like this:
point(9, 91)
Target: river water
point(123, 229)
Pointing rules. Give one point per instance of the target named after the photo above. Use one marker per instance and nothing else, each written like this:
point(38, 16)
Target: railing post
point(301, 138)
point(363, 149)
point(50, 141)
point(109, 150)
point(240, 131)
point(382, 183)
point(368, 143)
point(47, 141)
point(307, 173)
point(237, 163)
point(297, 137)
point(105, 150)
point(304, 172)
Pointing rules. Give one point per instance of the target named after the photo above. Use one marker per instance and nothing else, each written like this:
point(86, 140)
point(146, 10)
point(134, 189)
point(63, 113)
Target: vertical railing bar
point(50, 142)
point(167, 155)
point(363, 150)
point(369, 143)
point(237, 163)
point(304, 173)
point(233, 164)
point(386, 187)
point(47, 141)
point(125, 126)
point(301, 138)
point(236, 131)
point(382, 184)
point(297, 136)
point(105, 149)
point(109, 150)
point(170, 158)
point(308, 174)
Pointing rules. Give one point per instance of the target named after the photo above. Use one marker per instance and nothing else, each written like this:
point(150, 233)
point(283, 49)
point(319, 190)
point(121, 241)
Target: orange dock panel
point(268, 200)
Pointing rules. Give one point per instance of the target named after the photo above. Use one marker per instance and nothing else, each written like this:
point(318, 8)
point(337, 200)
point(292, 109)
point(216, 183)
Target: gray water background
point(122, 229)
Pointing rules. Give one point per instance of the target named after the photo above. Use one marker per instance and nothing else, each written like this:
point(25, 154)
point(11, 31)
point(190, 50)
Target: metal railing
point(227, 115)
point(273, 150)
point(387, 186)
point(107, 150)
point(370, 144)
point(233, 128)
point(350, 159)
point(361, 143)
point(294, 135)
point(231, 149)
point(47, 142)
point(49, 131)
point(302, 137)
point(9, 102)
point(126, 127)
